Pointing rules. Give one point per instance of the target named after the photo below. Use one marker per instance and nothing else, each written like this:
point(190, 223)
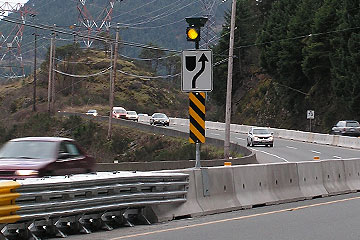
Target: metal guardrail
point(30, 208)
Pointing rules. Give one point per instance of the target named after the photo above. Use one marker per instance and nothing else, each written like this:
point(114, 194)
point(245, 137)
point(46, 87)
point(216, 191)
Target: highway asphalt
point(285, 150)
point(330, 218)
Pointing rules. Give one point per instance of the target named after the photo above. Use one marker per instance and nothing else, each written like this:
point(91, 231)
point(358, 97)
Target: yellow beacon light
point(192, 34)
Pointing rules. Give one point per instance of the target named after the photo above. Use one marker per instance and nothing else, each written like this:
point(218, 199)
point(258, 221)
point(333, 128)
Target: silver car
point(159, 119)
point(260, 136)
point(346, 128)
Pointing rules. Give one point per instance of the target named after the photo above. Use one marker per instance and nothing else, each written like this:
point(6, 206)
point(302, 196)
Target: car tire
point(247, 143)
point(271, 145)
point(252, 144)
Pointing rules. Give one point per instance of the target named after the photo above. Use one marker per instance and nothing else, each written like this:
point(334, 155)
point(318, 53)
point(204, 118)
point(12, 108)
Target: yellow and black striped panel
point(8, 206)
point(197, 117)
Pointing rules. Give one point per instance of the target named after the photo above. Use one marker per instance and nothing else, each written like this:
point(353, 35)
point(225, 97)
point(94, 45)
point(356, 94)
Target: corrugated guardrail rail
point(30, 208)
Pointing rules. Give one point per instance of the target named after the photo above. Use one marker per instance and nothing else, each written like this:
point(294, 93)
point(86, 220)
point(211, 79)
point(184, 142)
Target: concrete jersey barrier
point(227, 188)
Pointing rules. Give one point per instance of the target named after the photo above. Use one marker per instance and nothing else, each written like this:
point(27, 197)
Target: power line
point(62, 31)
point(150, 77)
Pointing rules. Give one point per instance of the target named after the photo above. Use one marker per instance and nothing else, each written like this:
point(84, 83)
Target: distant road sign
point(196, 71)
point(310, 114)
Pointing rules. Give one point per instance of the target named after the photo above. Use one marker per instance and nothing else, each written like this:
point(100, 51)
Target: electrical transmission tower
point(88, 25)
point(209, 34)
point(11, 61)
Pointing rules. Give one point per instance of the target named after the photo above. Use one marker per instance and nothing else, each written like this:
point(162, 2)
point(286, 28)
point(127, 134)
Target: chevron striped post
point(197, 122)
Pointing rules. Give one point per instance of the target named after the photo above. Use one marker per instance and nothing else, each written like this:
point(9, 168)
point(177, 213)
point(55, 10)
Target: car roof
point(259, 128)
point(45, 139)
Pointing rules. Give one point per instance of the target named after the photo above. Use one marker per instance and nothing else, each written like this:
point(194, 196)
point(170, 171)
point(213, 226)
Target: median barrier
point(352, 172)
point(284, 181)
point(215, 125)
point(334, 177)
point(179, 121)
point(286, 134)
point(215, 190)
point(349, 142)
point(191, 208)
point(335, 140)
point(325, 139)
point(300, 136)
point(252, 185)
point(311, 179)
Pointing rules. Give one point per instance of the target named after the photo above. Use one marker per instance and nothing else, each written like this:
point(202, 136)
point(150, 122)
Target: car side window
point(68, 150)
point(72, 149)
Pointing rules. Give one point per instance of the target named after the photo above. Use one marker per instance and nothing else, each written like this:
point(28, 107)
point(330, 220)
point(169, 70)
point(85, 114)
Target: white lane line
point(291, 147)
point(216, 134)
point(273, 155)
point(316, 152)
point(240, 138)
point(337, 157)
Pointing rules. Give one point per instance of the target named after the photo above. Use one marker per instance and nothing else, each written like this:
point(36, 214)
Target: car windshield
point(352, 124)
point(261, 131)
point(28, 150)
point(131, 112)
point(92, 111)
point(119, 111)
point(159, 115)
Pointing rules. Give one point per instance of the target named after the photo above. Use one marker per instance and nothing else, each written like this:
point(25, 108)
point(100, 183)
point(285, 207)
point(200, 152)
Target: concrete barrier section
point(215, 190)
point(350, 142)
point(252, 185)
point(334, 178)
point(284, 181)
point(166, 212)
point(311, 179)
point(325, 139)
point(352, 172)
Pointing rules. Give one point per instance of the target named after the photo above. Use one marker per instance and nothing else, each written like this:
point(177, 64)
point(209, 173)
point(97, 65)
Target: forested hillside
point(295, 56)
point(290, 56)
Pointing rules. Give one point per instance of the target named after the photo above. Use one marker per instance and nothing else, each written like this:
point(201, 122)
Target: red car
point(119, 112)
point(43, 156)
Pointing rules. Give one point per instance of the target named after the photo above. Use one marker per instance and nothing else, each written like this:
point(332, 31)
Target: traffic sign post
point(310, 115)
point(196, 73)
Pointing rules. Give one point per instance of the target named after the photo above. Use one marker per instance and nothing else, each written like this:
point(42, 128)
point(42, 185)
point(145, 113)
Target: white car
point(92, 112)
point(159, 119)
point(132, 115)
point(260, 136)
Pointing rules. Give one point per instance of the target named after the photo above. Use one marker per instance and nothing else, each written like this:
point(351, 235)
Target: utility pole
point(229, 84)
point(53, 76)
point(72, 79)
point(50, 72)
point(112, 82)
point(34, 93)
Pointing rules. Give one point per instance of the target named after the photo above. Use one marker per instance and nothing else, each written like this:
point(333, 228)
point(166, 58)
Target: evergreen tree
point(245, 34)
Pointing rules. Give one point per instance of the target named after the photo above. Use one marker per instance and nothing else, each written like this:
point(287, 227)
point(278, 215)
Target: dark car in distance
point(43, 156)
point(346, 128)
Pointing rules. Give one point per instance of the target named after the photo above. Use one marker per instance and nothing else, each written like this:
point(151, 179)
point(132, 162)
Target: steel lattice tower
point(209, 32)
point(88, 25)
point(11, 61)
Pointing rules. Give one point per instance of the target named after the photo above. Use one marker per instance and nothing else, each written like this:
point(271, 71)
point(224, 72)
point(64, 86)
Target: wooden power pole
point(112, 82)
point(229, 84)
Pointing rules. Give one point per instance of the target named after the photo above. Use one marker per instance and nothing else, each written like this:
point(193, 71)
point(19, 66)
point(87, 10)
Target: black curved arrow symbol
point(202, 59)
